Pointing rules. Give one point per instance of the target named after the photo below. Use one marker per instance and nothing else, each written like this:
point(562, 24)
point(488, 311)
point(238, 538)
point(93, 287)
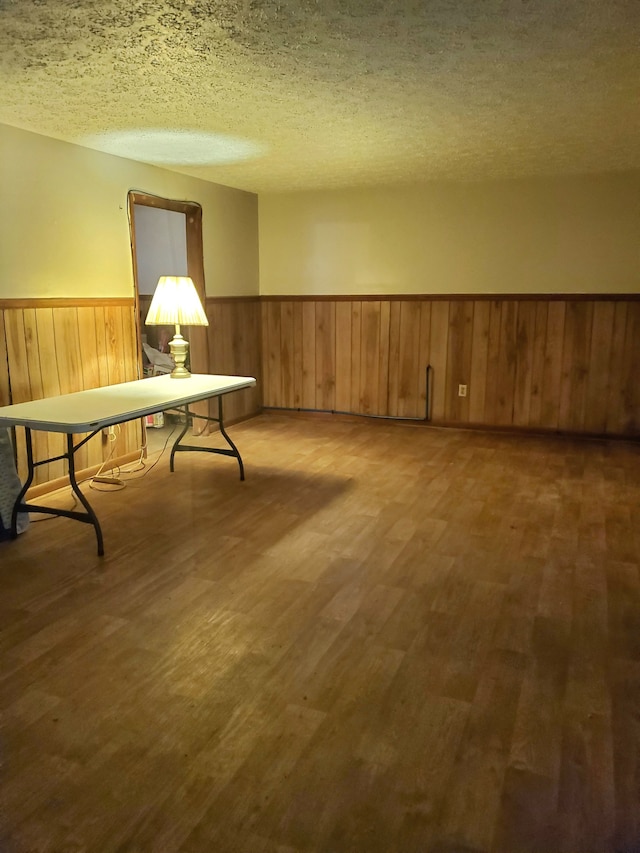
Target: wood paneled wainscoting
point(558, 363)
point(234, 349)
point(57, 346)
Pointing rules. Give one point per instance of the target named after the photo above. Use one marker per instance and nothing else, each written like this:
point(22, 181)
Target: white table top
point(96, 408)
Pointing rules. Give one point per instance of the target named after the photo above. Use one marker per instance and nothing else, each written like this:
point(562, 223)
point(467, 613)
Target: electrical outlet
point(462, 390)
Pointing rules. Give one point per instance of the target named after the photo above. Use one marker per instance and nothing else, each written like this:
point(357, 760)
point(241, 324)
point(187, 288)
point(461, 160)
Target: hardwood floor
point(387, 638)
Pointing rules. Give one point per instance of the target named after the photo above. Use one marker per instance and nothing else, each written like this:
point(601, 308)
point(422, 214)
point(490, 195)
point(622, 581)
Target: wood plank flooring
point(388, 638)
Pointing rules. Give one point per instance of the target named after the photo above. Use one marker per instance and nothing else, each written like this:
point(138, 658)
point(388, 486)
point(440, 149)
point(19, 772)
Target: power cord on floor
point(105, 479)
point(142, 466)
point(118, 482)
point(118, 477)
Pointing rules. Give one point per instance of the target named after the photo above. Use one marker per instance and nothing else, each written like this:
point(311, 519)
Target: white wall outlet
point(462, 390)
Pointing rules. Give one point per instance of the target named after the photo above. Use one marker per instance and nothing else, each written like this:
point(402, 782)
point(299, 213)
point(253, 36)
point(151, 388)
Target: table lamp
point(176, 302)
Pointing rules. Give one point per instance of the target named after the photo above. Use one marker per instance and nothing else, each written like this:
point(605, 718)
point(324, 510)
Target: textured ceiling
point(337, 92)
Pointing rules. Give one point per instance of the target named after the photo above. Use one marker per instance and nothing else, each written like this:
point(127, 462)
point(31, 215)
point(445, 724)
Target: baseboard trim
point(317, 414)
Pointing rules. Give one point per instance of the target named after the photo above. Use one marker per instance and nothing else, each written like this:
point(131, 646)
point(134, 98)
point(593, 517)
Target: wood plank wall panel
point(325, 371)
point(438, 358)
point(552, 372)
point(615, 400)
point(479, 361)
point(491, 377)
point(234, 334)
point(383, 369)
point(273, 351)
point(344, 348)
point(16, 343)
point(370, 357)
point(525, 348)
point(459, 349)
point(397, 354)
point(537, 363)
point(599, 360)
point(89, 321)
point(424, 348)
point(560, 363)
point(43, 381)
point(308, 352)
point(506, 367)
point(356, 336)
point(575, 363)
point(631, 385)
point(296, 319)
point(627, 395)
point(53, 348)
point(290, 388)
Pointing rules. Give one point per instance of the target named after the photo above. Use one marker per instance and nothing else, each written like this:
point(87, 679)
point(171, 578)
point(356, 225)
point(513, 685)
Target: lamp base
point(180, 373)
point(179, 348)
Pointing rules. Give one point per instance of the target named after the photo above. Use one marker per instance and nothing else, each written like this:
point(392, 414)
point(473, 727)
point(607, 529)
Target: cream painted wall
point(552, 235)
point(64, 230)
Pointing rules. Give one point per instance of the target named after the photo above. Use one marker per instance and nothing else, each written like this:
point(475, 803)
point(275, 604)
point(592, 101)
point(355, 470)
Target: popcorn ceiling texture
point(339, 92)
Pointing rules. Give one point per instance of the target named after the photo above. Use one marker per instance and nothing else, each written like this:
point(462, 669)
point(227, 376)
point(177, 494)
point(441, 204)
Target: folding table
point(95, 409)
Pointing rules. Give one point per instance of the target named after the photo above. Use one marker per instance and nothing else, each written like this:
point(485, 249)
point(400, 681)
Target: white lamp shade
point(176, 302)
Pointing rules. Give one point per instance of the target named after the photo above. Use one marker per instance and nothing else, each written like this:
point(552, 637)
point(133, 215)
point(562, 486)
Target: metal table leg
point(232, 450)
point(88, 517)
